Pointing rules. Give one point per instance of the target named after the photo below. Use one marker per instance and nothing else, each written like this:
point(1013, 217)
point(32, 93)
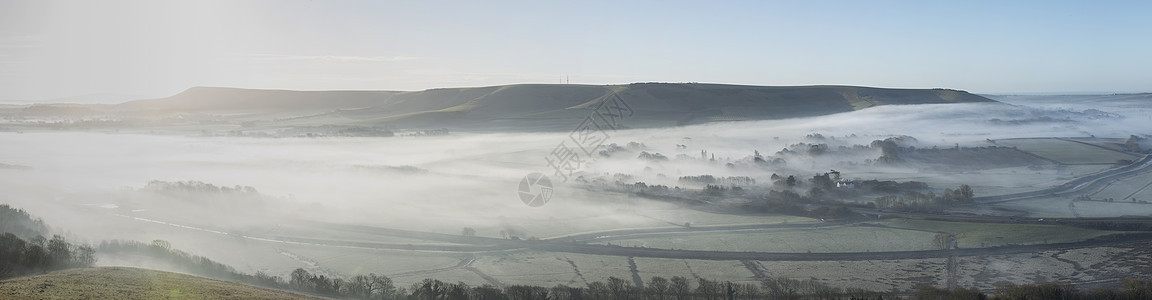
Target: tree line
point(917, 201)
point(372, 286)
point(25, 251)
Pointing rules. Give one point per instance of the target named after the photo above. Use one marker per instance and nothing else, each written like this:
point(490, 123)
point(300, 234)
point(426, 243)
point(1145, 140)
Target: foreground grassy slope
point(131, 283)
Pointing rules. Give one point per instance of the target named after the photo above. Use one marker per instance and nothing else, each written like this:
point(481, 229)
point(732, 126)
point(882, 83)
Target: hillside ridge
point(132, 283)
point(547, 105)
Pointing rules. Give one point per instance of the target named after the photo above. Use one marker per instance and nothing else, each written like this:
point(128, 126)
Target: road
point(1090, 182)
point(577, 244)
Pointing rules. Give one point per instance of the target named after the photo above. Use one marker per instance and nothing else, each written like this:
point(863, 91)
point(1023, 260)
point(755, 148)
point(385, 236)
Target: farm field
point(903, 274)
point(1104, 209)
point(704, 219)
point(1127, 189)
point(1065, 207)
point(998, 181)
point(662, 215)
point(693, 269)
point(353, 261)
point(1066, 152)
point(973, 235)
point(820, 240)
point(726, 270)
point(451, 275)
point(1041, 207)
point(550, 269)
point(1074, 265)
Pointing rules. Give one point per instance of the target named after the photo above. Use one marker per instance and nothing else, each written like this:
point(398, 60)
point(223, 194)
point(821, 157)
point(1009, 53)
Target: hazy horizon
point(640, 149)
point(110, 98)
point(58, 49)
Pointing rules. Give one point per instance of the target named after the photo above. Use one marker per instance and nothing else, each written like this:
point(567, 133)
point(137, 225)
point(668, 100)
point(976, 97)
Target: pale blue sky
point(52, 49)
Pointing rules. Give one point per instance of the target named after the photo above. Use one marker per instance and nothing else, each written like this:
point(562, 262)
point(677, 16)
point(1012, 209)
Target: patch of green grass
point(1066, 152)
point(858, 105)
point(132, 283)
point(815, 240)
point(976, 235)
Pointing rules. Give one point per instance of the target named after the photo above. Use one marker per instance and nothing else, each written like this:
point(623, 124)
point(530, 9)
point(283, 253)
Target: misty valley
point(650, 189)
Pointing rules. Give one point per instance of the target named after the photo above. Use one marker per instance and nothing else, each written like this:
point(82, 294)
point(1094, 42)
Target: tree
point(656, 288)
point(359, 286)
point(598, 290)
point(748, 291)
point(526, 292)
point(889, 151)
point(59, 253)
point(1051, 290)
point(815, 150)
point(468, 231)
point(457, 291)
point(487, 292)
point(322, 285)
point(680, 287)
point(429, 289)
point(815, 194)
point(619, 288)
point(382, 286)
point(84, 256)
point(823, 181)
point(942, 241)
point(965, 193)
point(299, 280)
point(710, 290)
point(1133, 143)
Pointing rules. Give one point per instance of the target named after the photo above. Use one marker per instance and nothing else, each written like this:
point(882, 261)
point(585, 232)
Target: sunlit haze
point(126, 50)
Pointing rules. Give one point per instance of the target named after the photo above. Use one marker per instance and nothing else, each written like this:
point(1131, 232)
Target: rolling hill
point(533, 107)
point(132, 283)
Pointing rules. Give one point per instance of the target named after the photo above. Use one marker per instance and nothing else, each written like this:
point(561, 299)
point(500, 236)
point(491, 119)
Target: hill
point(132, 283)
point(511, 107)
point(233, 99)
point(1136, 100)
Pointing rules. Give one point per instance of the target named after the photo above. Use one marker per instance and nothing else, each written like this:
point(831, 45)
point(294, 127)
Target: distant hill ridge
point(654, 104)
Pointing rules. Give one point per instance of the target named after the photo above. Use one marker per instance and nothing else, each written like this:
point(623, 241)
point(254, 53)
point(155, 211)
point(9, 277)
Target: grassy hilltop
point(533, 106)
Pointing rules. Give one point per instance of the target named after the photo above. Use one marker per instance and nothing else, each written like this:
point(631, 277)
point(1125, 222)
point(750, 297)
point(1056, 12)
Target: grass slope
point(131, 283)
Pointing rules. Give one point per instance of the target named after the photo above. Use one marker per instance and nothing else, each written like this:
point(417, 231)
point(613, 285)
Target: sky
point(145, 49)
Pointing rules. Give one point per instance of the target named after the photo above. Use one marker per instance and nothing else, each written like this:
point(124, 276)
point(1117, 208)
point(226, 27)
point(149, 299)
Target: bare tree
point(680, 287)
point(619, 288)
point(656, 288)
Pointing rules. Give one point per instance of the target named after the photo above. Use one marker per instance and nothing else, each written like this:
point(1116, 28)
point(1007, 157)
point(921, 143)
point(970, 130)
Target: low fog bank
point(467, 176)
point(194, 190)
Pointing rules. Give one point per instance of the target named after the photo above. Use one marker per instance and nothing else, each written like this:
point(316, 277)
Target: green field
point(829, 239)
point(1120, 191)
point(550, 269)
point(132, 283)
point(998, 181)
point(974, 235)
point(1066, 152)
point(726, 270)
point(354, 261)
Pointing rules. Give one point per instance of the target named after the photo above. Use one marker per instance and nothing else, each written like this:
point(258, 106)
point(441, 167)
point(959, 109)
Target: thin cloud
point(335, 58)
point(20, 41)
